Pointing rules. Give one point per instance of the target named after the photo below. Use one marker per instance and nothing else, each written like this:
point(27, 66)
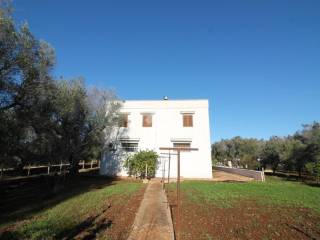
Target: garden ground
point(87, 207)
point(276, 209)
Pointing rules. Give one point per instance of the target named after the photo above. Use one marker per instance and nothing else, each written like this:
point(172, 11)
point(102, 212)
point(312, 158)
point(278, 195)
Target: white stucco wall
point(167, 126)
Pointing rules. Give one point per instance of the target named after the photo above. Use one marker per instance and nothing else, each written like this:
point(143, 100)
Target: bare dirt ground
point(115, 221)
point(21, 199)
point(221, 176)
point(245, 220)
point(248, 221)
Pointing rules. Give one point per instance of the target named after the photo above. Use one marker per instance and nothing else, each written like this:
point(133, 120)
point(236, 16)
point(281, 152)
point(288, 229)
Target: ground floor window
point(182, 145)
point(129, 146)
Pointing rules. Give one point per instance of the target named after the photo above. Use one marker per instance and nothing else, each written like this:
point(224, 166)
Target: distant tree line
point(299, 152)
point(44, 120)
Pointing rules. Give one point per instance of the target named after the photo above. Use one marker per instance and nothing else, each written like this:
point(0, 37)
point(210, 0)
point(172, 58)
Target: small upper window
point(147, 120)
point(187, 120)
point(123, 121)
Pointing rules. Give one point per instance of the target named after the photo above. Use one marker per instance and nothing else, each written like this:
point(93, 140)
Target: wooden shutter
point(147, 120)
point(187, 120)
point(123, 120)
point(181, 145)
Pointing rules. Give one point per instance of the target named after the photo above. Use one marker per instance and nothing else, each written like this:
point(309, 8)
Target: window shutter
point(181, 145)
point(147, 120)
point(187, 120)
point(144, 123)
point(123, 120)
point(190, 120)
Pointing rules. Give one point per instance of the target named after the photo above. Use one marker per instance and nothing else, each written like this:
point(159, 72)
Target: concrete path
point(153, 220)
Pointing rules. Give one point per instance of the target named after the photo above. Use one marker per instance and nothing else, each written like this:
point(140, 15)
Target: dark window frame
point(129, 146)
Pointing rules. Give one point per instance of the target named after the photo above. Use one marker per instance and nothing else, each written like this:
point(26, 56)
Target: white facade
point(167, 130)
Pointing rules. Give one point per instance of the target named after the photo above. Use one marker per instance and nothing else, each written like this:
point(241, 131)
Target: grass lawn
point(104, 211)
point(275, 209)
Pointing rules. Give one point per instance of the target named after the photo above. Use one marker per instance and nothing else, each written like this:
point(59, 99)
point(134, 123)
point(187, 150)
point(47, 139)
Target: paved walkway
point(153, 220)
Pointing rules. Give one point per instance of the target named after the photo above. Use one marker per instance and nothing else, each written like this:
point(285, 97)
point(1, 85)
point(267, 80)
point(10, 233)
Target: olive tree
point(44, 120)
point(81, 119)
point(272, 152)
point(26, 91)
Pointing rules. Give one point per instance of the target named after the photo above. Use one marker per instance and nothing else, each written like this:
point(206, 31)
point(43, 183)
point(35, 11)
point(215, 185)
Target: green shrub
point(136, 164)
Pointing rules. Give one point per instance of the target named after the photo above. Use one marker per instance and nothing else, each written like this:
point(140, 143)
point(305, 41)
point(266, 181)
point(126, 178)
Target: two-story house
point(151, 124)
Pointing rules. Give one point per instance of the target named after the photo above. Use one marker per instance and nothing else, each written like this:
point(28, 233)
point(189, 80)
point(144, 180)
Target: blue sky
point(258, 62)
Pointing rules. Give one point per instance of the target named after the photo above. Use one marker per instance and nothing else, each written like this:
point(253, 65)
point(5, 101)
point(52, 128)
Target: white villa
point(151, 124)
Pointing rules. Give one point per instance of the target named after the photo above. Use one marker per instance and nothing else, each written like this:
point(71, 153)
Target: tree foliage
point(26, 92)
point(44, 120)
point(240, 151)
point(272, 152)
point(299, 152)
point(310, 137)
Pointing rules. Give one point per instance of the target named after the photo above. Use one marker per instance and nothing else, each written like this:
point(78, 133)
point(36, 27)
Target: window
point(187, 120)
point(182, 145)
point(123, 122)
point(129, 146)
point(146, 120)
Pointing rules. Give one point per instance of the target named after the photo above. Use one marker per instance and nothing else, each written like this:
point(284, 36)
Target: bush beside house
point(142, 163)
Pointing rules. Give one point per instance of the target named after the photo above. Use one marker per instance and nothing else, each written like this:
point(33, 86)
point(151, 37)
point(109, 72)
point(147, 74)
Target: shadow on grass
point(293, 178)
point(23, 198)
point(232, 181)
point(89, 228)
point(305, 233)
point(86, 230)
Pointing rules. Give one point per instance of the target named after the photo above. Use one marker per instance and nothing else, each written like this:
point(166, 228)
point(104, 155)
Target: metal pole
point(163, 172)
point(60, 166)
point(178, 198)
point(29, 169)
point(146, 171)
point(169, 167)
point(178, 182)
